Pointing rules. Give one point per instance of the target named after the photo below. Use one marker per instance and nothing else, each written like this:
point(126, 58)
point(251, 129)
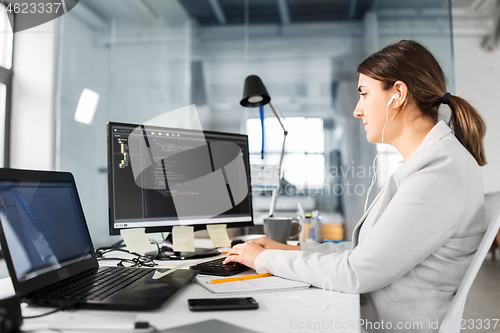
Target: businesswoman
point(411, 248)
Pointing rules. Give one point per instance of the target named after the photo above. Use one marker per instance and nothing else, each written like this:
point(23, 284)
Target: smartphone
point(217, 304)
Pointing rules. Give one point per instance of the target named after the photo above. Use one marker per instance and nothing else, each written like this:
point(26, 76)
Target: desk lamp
point(255, 95)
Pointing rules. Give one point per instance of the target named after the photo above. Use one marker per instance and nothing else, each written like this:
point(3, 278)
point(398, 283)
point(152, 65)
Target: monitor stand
point(167, 252)
point(199, 252)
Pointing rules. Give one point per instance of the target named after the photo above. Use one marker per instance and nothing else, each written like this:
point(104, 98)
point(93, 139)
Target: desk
point(308, 310)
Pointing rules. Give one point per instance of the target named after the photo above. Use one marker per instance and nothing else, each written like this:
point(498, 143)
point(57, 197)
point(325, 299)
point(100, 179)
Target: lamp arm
point(275, 191)
point(284, 137)
point(281, 157)
point(277, 117)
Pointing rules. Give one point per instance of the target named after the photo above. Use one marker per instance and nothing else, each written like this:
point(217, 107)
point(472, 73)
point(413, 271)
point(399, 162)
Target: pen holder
point(310, 230)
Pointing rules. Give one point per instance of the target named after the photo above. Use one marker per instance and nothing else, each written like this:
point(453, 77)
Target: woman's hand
point(273, 245)
point(247, 252)
point(244, 253)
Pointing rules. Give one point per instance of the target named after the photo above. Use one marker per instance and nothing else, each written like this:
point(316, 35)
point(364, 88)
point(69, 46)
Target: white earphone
point(395, 96)
point(374, 178)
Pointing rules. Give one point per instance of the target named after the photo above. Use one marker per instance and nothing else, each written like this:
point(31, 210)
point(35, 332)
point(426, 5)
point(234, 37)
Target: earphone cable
point(374, 177)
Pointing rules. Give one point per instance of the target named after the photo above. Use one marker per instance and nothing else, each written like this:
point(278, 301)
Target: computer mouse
point(237, 241)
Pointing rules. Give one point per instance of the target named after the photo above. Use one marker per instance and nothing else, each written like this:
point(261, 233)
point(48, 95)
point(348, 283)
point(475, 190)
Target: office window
point(6, 43)
point(6, 37)
point(304, 160)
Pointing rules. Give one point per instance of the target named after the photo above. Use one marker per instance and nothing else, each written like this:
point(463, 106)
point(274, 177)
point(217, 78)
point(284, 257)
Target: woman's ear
point(402, 89)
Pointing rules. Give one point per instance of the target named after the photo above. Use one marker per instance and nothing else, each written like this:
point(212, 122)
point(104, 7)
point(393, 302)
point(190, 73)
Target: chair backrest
point(452, 319)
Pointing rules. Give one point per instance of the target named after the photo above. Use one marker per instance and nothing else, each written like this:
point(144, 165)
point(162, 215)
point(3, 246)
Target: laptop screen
point(42, 225)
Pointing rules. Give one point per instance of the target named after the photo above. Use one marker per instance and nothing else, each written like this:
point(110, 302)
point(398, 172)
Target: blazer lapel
point(440, 130)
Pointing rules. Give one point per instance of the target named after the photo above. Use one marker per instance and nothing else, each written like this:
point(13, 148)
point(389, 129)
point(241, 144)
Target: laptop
point(50, 256)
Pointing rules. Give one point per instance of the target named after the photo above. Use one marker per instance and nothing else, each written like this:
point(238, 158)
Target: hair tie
point(445, 97)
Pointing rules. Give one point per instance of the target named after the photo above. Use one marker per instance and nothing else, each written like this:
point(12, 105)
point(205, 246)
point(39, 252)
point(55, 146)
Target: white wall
point(139, 73)
point(477, 74)
point(32, 124)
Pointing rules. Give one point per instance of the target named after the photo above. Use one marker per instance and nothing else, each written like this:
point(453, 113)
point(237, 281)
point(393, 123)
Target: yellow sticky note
point(135, 239)
point(183, 238)
point(218, 235)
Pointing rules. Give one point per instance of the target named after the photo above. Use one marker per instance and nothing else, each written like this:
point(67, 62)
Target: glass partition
point(144, 58)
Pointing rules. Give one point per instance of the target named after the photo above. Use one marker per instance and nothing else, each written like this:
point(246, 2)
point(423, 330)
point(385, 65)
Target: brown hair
point(410, 62)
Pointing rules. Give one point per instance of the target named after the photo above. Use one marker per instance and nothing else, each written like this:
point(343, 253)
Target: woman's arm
point(269, 244)
point(325, 247)
point(424, 214)
point(264, 243)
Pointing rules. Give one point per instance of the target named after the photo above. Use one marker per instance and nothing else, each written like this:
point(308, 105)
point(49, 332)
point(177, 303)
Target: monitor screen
point(160, 177)
point(38, 218)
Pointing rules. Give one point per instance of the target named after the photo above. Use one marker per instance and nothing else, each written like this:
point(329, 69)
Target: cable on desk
point(116, 245)
point(138, 261)
point(43, 315)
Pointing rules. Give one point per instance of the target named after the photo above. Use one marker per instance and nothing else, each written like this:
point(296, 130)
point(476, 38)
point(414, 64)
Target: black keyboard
point(97, 286)
point(216, 267)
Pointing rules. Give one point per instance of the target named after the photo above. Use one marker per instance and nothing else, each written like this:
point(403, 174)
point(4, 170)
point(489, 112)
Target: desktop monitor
point(154, 173)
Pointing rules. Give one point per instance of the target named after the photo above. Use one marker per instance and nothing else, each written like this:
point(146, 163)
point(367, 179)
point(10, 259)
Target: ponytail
point(468, 126)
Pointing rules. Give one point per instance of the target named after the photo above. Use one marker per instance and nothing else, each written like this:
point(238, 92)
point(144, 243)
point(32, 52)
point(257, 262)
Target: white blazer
point(411, 249)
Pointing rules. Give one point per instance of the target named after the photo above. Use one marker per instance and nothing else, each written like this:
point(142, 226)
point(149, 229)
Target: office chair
point(452, 319)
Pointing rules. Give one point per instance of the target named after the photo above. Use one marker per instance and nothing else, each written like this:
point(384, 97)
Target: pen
point(313, 225)
point(238, 278)
point(300, 210)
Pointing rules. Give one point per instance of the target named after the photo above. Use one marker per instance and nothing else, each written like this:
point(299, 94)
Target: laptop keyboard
point(216, 267)
point(98, 286)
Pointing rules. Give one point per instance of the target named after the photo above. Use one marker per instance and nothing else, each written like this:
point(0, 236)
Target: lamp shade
point(254, 93)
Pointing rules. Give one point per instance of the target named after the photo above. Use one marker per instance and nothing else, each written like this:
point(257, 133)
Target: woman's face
point(372, 108)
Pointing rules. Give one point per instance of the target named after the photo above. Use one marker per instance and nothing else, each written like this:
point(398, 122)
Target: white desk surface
point(309, 310)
